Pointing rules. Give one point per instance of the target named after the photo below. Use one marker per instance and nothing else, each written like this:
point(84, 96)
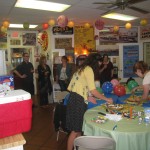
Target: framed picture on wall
point(146, 52)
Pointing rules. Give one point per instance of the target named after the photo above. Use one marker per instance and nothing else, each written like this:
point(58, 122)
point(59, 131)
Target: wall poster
point(63, 43)
point(29, 39)
point(146, 52)
point(145, 33)
point(83, 39)
point(130, 56)
point(107, 35)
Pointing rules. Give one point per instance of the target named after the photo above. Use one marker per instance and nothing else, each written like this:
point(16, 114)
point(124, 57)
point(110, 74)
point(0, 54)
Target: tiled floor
point(42, 135)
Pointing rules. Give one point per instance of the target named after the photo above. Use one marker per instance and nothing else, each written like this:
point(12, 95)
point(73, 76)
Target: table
point(14, 142)
point(129, 135)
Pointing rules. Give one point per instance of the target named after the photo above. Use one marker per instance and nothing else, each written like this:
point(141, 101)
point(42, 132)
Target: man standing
point(25, 71)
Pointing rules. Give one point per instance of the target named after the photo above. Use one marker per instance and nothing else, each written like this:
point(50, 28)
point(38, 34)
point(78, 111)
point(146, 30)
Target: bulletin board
point(130, 56)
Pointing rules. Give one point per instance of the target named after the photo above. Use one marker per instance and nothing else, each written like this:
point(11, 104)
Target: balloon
point(45, 26)
point(62, 21)
point(99, 90)
point(99, 24)
point(6, 24)
point(119, 90)
point(107, 87)
point(128, 26)
point(143, 22)
point(71, 24)
point(26, 25)
point(114, 82)
point(132, 84)
point(3, 29)
point(87, 25)
point(116, 28)
point(51, 22)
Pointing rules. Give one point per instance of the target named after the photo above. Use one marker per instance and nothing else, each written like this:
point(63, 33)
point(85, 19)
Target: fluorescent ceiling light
point(118, 16)
point(41, 5)
point(21, 26)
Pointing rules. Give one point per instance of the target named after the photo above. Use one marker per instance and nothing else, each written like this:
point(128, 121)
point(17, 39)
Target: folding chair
point(59, 96)
point(60, 114)
point(94, 143)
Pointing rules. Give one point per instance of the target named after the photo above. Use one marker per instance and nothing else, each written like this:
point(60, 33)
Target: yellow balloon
point(87, 25)
point(70, 24)
point(6, 24)
point(3, 29)
point(128, 26)
point(116, 28)
point(144, 22)
point(51, 22)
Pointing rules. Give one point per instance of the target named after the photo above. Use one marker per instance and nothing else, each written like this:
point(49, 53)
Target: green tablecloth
point(129, 135)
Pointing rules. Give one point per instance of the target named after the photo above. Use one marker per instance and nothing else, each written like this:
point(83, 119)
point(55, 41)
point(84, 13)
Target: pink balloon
point(114, 82)
point(99, 24)
point(62, 21)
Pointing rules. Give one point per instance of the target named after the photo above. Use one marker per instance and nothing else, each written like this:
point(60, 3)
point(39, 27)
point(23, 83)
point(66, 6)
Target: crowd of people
point(79, 84)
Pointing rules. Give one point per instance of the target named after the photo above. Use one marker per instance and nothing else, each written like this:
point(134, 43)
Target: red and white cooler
point(15, 113)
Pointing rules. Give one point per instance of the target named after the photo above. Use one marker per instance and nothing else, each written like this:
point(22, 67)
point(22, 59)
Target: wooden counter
point(12, 141)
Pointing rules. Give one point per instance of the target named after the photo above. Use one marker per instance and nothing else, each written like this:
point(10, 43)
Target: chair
point(60, 95)
point(59, 117)
point(94, 143)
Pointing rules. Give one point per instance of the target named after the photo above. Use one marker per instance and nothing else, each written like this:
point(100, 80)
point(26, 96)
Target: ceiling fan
point(122, 4)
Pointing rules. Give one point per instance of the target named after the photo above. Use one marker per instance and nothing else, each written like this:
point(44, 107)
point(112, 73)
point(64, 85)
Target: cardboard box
point(7, 82)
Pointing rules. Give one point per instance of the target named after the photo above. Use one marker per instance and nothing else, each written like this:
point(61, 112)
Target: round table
point(129, 135)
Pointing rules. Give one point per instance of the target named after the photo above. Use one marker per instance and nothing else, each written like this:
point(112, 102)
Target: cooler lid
point(15, 96)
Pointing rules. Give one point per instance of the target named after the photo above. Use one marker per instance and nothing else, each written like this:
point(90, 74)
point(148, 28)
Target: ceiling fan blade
point(103, 3)
point(138, 9)
point(135, 1)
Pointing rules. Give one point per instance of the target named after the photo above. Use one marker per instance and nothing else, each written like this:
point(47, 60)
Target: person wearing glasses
point(25, 71)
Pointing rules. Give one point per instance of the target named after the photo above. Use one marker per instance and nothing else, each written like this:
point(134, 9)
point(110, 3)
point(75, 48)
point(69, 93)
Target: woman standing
point(80, 85)
point(141, 69)
point(44, 82)
point(106, 70)
point(64, 72)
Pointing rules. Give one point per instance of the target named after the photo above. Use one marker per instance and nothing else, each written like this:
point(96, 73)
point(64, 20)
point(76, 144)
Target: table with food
point(127, 123)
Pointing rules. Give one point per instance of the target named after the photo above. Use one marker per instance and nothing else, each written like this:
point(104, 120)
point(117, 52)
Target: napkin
point(113, 117)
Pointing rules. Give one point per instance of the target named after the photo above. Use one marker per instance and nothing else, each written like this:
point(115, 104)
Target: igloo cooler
point(15, 113)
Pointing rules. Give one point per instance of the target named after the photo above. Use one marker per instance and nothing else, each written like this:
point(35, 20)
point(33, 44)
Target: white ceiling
point(81, 11)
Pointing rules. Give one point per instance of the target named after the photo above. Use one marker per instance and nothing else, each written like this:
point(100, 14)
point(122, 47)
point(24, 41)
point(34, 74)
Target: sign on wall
point(63, 43)
point(145, 33)
point(130, 56)
point(62, 31)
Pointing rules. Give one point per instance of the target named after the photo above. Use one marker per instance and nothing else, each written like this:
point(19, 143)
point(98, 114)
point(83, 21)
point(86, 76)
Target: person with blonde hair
point(44, 81)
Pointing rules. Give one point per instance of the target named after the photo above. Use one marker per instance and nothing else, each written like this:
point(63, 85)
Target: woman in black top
point(44, 82)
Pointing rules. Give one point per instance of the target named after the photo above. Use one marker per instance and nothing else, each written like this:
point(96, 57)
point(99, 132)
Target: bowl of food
point(99, 119)
point(133, 100)
point(115, 106)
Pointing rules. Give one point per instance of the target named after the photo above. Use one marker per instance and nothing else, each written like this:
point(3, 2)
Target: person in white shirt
point(141, 69)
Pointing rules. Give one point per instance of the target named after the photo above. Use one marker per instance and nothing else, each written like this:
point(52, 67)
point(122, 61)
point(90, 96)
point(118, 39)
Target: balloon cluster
point(114, 86)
